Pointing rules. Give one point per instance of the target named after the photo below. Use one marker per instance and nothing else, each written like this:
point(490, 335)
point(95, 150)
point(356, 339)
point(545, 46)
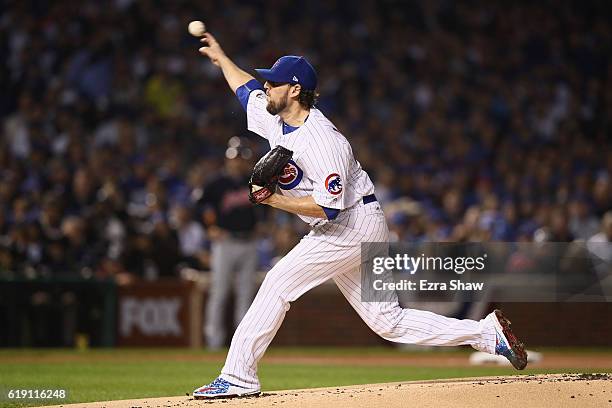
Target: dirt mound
point(558, 390)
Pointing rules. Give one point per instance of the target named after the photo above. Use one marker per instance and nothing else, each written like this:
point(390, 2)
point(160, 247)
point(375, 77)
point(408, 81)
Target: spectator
point(582, 223)
point(600, 245)
point(493, 126)
point(192, 238)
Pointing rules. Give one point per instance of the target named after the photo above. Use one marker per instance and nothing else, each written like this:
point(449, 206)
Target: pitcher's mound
point(555, 390)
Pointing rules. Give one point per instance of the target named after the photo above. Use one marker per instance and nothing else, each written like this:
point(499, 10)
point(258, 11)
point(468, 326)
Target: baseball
point(196, 28)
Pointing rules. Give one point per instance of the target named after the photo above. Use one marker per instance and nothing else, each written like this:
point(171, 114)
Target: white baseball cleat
point(221, 388)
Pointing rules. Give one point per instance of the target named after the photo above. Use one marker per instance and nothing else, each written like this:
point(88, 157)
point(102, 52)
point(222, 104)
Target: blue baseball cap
point(293, 70)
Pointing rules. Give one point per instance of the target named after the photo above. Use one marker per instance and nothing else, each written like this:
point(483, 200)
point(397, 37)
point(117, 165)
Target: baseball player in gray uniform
point(326, 187)
point(231, 222)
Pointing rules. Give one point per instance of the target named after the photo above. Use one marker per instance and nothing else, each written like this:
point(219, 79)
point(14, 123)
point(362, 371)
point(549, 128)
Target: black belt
point(369, 199)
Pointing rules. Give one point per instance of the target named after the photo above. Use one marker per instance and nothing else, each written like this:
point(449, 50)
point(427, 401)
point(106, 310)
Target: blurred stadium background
point(477, 120)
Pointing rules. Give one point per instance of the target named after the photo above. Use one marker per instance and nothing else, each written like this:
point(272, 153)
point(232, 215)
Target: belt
point(369, 199)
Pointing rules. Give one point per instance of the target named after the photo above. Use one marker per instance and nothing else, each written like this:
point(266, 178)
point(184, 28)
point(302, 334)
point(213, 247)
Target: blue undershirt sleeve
point(243, 91)
point(331, 213)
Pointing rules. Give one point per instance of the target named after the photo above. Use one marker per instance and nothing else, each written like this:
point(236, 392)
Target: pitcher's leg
point(299, 271)
point(411, 326)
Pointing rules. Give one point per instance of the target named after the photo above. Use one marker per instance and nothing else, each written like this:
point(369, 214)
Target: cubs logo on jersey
point(291, 177)
point(333, 184)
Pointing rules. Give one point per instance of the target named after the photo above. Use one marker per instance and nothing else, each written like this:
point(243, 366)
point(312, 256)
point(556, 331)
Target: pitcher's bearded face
point(278, 97)
point(274, 108)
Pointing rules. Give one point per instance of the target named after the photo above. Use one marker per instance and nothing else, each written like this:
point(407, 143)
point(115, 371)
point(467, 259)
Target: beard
point(275, 108)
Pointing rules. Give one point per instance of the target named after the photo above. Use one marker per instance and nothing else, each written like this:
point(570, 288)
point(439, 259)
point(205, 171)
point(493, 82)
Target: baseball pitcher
point(311, 172)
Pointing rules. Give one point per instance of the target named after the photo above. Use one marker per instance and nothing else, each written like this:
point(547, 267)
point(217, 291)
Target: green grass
point(100, 375)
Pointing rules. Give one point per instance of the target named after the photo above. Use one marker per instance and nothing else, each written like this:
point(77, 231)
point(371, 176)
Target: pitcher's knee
point(284, 289)
point(384, 319)
point(387, 329)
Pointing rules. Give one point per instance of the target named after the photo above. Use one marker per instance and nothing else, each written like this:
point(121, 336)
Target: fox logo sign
point(152, 316)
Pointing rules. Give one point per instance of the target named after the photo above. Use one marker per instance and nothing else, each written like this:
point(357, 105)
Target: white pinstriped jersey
point(323, 164)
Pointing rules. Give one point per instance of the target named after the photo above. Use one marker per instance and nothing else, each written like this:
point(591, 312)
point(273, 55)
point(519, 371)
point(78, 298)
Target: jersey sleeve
point(259, 120)
point(328, 167)
point(244, 91)
point(331, 213)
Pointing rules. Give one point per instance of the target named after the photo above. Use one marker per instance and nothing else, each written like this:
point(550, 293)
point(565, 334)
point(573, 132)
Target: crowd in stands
point(477, 121)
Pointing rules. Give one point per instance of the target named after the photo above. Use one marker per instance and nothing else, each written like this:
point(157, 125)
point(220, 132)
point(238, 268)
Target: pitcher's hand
point(211, 49)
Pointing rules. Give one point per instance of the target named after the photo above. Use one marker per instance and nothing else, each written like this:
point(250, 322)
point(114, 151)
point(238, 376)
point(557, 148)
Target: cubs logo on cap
point(291, 177)
point(333, 184)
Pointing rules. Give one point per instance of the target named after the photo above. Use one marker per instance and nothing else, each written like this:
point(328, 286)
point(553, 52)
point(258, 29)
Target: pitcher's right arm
point(234, 76)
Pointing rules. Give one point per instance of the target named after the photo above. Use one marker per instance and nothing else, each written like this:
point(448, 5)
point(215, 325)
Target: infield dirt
point(528, 391)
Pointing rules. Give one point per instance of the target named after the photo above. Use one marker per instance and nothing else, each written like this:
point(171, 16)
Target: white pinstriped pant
point(334, 251)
